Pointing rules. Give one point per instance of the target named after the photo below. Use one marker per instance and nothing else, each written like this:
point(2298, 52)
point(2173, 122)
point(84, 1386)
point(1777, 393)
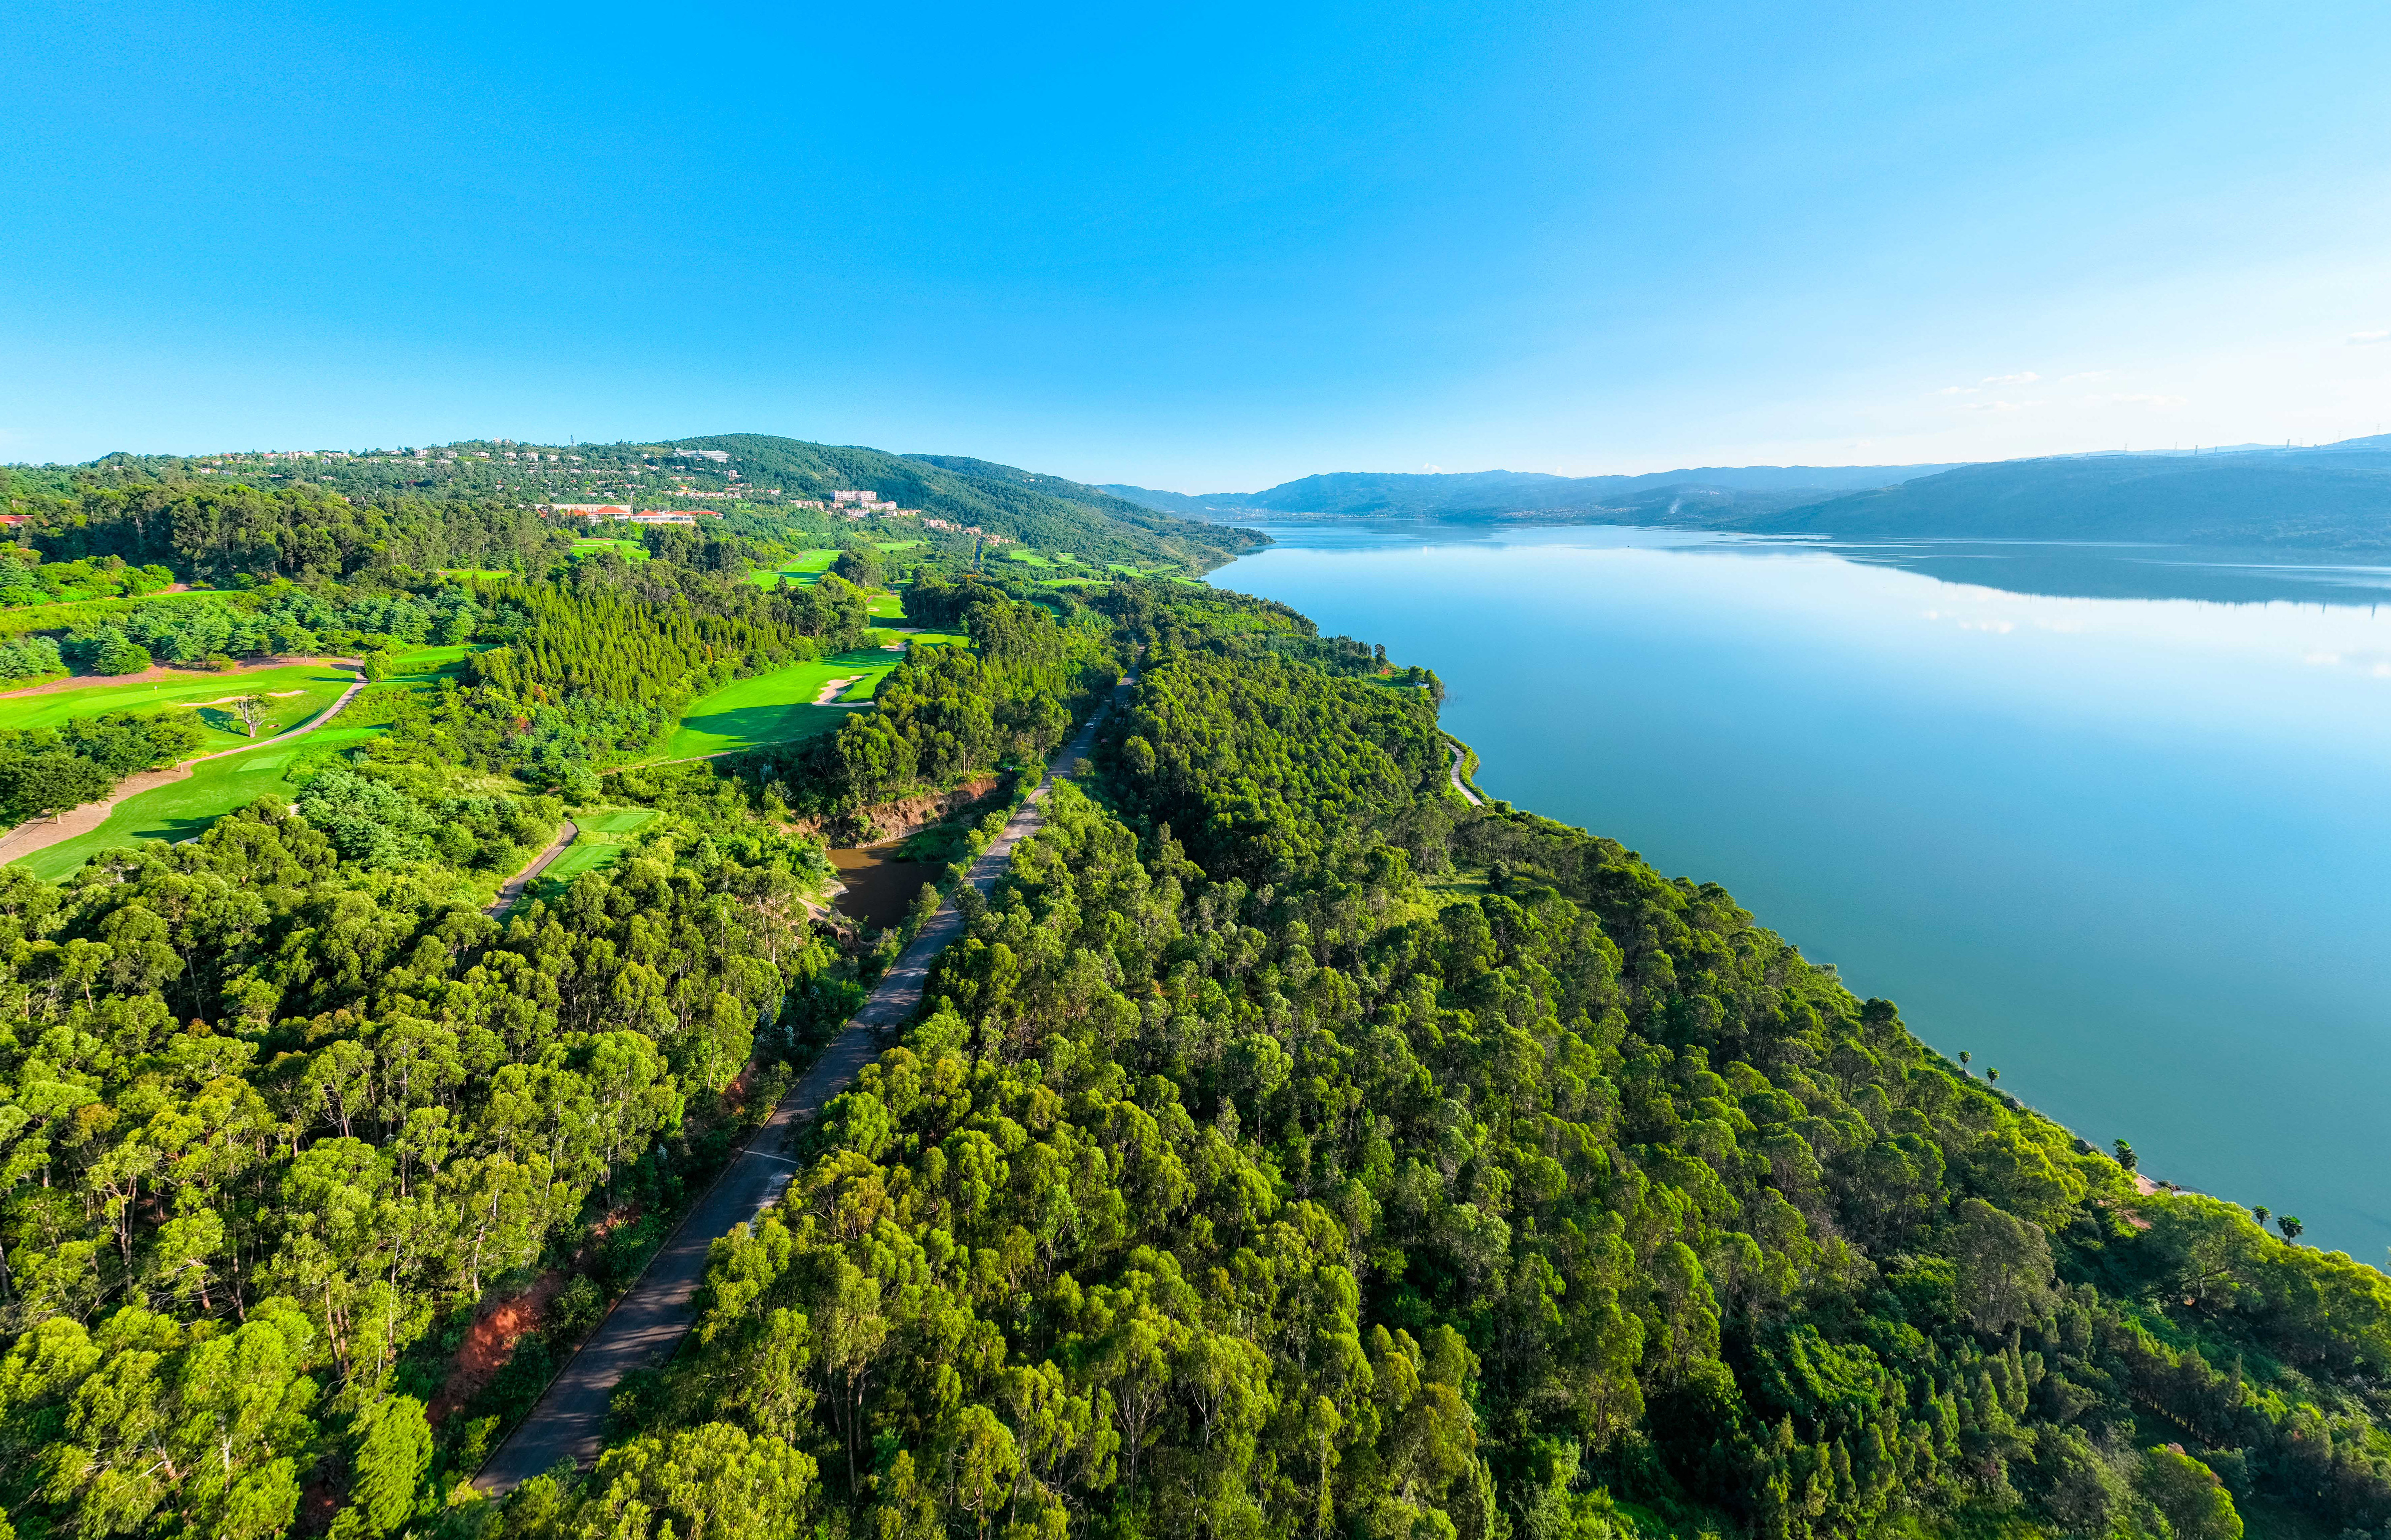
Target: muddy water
point(879, 887)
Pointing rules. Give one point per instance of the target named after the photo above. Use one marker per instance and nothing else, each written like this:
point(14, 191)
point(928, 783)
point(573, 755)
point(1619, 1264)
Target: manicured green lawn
point(776, 707)
point(600, 845)
point(806, 567)
point(185, 809)
point(293, 695)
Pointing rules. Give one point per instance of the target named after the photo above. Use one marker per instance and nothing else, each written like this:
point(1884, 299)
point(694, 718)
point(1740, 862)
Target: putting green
point(777, 707)
point(293, 695)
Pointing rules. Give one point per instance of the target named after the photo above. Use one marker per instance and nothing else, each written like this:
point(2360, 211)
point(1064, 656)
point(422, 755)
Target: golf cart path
point(29, 837)
point(568, 1424)
point(514, 886)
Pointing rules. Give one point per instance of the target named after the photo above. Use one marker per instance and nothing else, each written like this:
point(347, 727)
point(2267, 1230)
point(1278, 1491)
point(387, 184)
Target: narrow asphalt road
point(569, 1422)
point(1466, 795)
point(515, 885)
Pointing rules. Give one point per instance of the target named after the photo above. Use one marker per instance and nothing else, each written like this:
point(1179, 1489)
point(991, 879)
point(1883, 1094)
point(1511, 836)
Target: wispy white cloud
point(2133, 401)
point(2087, 378)
point(1956, 390)
point(2027, 378)
point(2361, 338)
point(2001, 405)
point(1433, 469)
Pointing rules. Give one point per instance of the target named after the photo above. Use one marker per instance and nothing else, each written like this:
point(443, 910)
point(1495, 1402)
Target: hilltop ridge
point(732, 472)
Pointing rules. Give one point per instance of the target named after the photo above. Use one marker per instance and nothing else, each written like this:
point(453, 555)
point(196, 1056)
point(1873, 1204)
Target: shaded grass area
point(775, 707)
point(598, 848)
point(429, 665)
point(293, 695)
point(804, 569)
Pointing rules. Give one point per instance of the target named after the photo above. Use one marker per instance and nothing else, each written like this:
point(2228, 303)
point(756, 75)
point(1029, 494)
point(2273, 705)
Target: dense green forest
point(1295, 1151)
point(1288, 1149)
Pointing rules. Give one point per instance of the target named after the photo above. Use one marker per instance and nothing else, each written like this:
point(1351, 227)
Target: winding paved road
point(1466, 795)
point(569, 1421)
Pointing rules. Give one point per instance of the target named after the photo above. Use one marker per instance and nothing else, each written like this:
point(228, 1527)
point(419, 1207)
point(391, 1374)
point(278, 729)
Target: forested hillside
point(2334, 497)
point(1295, 1150)
point(471, 504)
point(1503, 495)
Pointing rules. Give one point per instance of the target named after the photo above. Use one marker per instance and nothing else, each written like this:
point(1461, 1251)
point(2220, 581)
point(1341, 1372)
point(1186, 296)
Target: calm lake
point(2113, 818)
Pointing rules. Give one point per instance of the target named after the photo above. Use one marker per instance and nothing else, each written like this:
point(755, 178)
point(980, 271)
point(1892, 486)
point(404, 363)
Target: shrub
point(121, 657)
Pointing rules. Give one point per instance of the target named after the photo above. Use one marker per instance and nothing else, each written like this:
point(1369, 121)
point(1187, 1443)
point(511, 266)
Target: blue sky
point(1204, 249)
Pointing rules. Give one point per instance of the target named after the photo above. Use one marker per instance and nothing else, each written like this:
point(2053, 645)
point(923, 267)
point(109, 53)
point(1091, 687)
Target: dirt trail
point(25, 838)
point(647, 1325)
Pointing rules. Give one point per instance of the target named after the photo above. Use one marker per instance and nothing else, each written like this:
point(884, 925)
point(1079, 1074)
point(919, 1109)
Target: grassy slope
point(775, 707)
point(630, 551)
point(316, 685)
point(74, 612)
point(805, 568)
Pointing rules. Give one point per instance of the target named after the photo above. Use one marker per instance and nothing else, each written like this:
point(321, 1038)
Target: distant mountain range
point(2327, 497)
point(1510, 494)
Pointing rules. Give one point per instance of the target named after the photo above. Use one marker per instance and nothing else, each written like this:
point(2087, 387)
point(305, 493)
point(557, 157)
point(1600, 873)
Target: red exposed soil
point(905, 816)
point(491, 1344)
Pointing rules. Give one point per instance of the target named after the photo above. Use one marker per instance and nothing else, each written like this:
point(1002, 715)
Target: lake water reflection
point(2131, 849)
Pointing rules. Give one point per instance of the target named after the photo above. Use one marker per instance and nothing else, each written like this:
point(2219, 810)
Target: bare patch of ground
point(490, 1345)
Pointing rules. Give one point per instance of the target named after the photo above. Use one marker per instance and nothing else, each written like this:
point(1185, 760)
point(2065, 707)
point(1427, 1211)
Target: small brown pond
point(879, 887)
